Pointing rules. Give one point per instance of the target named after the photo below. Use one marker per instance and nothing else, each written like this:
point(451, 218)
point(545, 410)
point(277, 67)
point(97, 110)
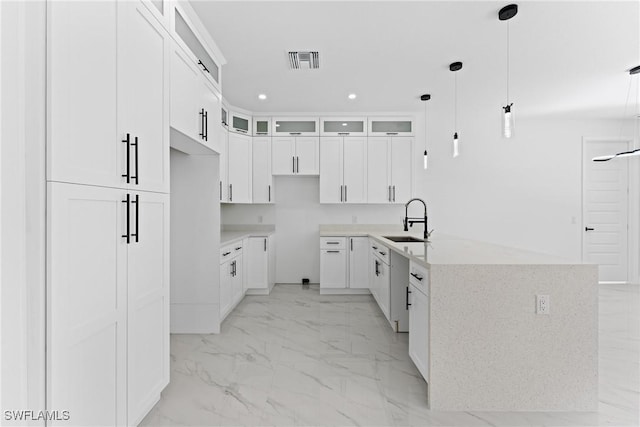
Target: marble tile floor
point(300, 358)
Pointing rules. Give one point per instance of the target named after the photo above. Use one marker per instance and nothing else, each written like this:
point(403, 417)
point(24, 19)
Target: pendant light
point(455, 66)
point(425, 98)
point(635, 152)
point(508, 123)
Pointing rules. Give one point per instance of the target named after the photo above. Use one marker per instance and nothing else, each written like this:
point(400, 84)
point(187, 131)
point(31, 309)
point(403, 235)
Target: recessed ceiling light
point(262, 96)
point(352, 96)
point(344, 124)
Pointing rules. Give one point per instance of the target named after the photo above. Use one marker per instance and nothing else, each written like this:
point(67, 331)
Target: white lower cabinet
point(107, 307)
point(380, 277)
point(419, 318)
point(260, 263)
point(344, 264)
point(231, 277)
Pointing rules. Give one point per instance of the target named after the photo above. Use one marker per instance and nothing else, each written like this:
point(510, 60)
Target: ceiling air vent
point(304, 60)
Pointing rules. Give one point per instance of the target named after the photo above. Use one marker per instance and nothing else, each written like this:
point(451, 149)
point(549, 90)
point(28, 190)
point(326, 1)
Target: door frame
point(633, 207)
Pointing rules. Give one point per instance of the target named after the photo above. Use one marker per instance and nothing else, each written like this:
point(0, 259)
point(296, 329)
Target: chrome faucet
point(408, 222)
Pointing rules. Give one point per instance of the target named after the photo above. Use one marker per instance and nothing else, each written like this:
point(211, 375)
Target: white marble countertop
point(446, 250)
point(233, 233)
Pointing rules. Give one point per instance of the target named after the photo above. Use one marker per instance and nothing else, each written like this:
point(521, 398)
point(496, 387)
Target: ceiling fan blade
point(631, 153)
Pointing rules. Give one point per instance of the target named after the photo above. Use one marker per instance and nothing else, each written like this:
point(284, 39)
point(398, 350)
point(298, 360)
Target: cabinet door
point(239, 168)
point(419, 331)
point(359, 262)
point(378, 181)
point(143, 95)
point(261, 126)
point(391, 126)
point(262, 177)
point(87, 303)
point(224, 163)
point(148, 303)
point(83, 143)
point(283, 154)
point(331, 187)
point(240, 123)
point(401, 167)
point(257, 263)
point(226, 288)
point(307, 155)
point(384, 285)
point(355, 169)
point(209, 123)
point(237, 281)
point(333, 269)
point(185, 111)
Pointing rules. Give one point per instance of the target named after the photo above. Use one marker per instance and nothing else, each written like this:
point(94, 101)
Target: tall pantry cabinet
point(107, 211)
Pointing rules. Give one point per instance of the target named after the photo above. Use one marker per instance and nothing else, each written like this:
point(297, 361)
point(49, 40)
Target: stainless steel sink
point(403, 239)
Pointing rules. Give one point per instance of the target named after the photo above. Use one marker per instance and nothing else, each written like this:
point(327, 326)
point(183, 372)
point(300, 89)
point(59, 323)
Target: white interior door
point(86, 304)
point(605, 210)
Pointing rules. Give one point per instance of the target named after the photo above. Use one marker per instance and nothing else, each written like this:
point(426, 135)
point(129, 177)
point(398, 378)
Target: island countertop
point(445, 249)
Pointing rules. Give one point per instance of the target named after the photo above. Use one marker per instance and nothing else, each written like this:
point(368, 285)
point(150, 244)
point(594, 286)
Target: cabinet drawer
point(419, 277)
point(230, 251)
point(333, 242)
point(381, 251)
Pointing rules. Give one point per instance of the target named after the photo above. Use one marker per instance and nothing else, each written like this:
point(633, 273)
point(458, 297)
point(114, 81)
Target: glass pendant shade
point(425, 159)
point(508, 122)
point(456, 151)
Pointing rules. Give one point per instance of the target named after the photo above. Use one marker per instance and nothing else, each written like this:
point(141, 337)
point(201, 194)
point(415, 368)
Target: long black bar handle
point(345, 193)
point(128, 174)
point(201, 113)
point(351, 244)
point(203, 66)
point(128, 202)
point(220, 190)
point(408, 292)
point(269, 192)
point(206, 126)
point(137, 202)
point(377, 271)
point(135, 144)
point(297, 164)
point(293, 164)
point(265, 245)
point(231, 192)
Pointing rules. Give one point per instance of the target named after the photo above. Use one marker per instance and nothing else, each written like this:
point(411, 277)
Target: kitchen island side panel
point(490, 351)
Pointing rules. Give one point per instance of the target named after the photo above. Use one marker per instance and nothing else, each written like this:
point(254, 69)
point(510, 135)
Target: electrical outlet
point(259, 219)
point(354, 219)
point(542, 304)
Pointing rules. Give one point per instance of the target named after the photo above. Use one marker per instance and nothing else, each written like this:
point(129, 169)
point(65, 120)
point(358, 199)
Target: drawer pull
point(237, 249)
point(333, 252)
point(333, 243)
point(382, 253)
point(226, 253)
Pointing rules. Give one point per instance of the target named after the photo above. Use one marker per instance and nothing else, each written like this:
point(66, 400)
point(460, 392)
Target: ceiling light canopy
point(262, 96)
point(352, 96)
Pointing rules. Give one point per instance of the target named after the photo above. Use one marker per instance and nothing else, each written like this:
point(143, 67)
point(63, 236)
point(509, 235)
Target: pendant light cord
point(455, 101)
point(425, 126)
point(508, 62)
point(626, 104)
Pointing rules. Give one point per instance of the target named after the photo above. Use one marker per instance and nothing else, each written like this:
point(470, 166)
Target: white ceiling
point(568, 59)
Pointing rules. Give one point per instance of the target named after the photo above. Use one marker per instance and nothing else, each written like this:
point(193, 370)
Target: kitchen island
point(487, 347)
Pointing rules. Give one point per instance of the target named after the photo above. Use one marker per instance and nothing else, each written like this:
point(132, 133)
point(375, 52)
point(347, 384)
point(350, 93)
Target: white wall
point(195, 242)
point(22, 219)
point(525, 192)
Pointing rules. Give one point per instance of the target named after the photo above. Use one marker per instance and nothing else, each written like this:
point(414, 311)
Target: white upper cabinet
point(343, 170)
point(389, 169)
point(262, 126)
point(390, 126)
point(224, 115)
point(107, 96)
point(343, 126)
point(199, 54)
point(295, 155)
point(294, 126)
point(239, 168)
point(262, 188)
point(240, 123)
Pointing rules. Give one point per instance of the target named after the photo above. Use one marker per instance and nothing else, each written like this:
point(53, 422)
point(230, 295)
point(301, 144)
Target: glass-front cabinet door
point(262, 126)
point(295, 126)
point(343, 126)
point(390, 126)
point(240, 123)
